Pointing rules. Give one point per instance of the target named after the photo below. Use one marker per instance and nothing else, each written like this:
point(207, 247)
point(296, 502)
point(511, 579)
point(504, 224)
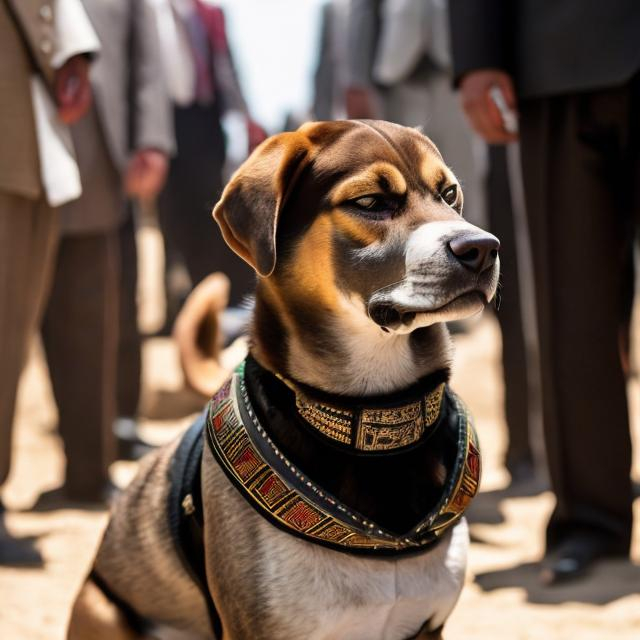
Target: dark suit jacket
point(549, 46)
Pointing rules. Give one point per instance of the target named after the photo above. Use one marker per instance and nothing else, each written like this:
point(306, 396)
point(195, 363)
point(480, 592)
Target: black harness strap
point(186, 516)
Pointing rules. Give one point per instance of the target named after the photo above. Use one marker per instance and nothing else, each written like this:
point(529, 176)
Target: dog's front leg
point(95, 617)
point(426, 634)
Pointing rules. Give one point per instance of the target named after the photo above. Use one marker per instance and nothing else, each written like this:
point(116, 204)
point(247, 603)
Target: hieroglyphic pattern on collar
point(297, 504)
point(330, 421)
point(373, 429)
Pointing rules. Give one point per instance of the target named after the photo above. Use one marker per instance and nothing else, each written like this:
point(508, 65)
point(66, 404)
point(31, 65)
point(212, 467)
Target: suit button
point(46, 47)
point(46, 13)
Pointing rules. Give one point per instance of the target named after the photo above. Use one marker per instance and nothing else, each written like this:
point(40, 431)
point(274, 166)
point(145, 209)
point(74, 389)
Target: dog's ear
point(251, 203)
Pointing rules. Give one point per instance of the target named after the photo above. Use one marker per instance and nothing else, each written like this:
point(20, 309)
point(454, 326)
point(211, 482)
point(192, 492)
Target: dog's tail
point(198, 332)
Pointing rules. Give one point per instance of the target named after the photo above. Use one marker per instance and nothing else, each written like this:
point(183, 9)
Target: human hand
point(483, 114)
point(360, 103)
point(146, 174)
point(72, 89)
point(255, 134)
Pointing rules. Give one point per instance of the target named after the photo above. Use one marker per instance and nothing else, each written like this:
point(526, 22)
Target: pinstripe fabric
point(28, 240)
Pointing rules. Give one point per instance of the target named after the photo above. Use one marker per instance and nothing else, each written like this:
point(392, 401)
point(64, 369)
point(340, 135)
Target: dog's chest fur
point(270, 585)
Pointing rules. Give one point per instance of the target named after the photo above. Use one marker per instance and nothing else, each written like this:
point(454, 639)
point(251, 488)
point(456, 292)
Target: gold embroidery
point(432, 402)
point(384, 429)
point(333, 422)
point(379, 429)
point(311, 512)
point(235, 450)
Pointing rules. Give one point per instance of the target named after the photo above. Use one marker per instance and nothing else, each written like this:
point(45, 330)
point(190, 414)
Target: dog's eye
point(370, 203)
point(377, 207)
point(450, 195)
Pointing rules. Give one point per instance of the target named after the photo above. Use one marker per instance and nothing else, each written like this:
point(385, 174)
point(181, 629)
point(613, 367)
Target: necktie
point(200, 48)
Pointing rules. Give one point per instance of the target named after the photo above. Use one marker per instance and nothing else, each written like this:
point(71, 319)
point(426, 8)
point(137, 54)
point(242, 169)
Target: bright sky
point(275, 47)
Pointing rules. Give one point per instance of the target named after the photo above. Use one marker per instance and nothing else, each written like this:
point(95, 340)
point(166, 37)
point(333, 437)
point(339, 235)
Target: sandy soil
point(501, 600)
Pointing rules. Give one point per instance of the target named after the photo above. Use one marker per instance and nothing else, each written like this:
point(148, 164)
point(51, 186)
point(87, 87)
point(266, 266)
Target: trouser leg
point(129, 369)
point(193, 187)
point(579, 237)
point(80, 332)
point(28, 236)
point(509, 313)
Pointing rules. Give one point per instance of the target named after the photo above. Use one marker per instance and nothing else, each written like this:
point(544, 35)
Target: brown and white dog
point(355, 231)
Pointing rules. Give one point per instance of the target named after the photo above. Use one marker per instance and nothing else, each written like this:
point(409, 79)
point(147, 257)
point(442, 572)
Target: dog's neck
point(344, 353)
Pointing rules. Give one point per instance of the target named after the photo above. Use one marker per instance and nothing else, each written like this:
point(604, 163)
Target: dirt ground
point(501, 600)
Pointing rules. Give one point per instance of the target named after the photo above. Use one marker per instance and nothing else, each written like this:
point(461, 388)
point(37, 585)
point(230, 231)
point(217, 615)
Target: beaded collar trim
point(382, 428)
point(288, 499)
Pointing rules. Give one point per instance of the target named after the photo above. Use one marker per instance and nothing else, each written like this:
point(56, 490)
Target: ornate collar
point(380, 423)
point(284, 495)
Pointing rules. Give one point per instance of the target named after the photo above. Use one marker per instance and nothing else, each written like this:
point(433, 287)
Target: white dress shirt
point(177, 58)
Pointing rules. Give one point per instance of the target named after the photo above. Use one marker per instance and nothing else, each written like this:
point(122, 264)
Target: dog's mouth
point(390, 315)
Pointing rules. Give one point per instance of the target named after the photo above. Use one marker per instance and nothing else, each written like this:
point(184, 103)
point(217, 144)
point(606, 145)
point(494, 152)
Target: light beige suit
point(19, 165)
point(28, 226)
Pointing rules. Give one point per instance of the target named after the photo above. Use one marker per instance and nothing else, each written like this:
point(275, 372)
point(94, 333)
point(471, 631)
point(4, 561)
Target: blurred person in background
point(199, 74)
point(203, 86)
point(570, 69)
point(399, 68)
point(122, 148)
point(330, 77)
point(44, 48)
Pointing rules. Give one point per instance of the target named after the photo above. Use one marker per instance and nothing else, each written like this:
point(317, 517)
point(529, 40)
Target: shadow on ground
point(485, 508)
point(608, 581)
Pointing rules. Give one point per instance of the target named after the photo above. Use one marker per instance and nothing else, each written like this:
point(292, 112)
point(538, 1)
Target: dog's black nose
point(477, 251)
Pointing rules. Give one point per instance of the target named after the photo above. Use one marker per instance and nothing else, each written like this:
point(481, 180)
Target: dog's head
point(359, 218)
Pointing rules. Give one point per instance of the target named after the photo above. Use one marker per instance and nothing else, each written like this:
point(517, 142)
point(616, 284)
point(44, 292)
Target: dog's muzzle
point(389, 315)
point(458, 278)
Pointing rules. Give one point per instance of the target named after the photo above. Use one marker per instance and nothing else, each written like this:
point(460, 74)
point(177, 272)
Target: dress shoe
point(17, 552)
point(576, 554)
point(130, 445)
